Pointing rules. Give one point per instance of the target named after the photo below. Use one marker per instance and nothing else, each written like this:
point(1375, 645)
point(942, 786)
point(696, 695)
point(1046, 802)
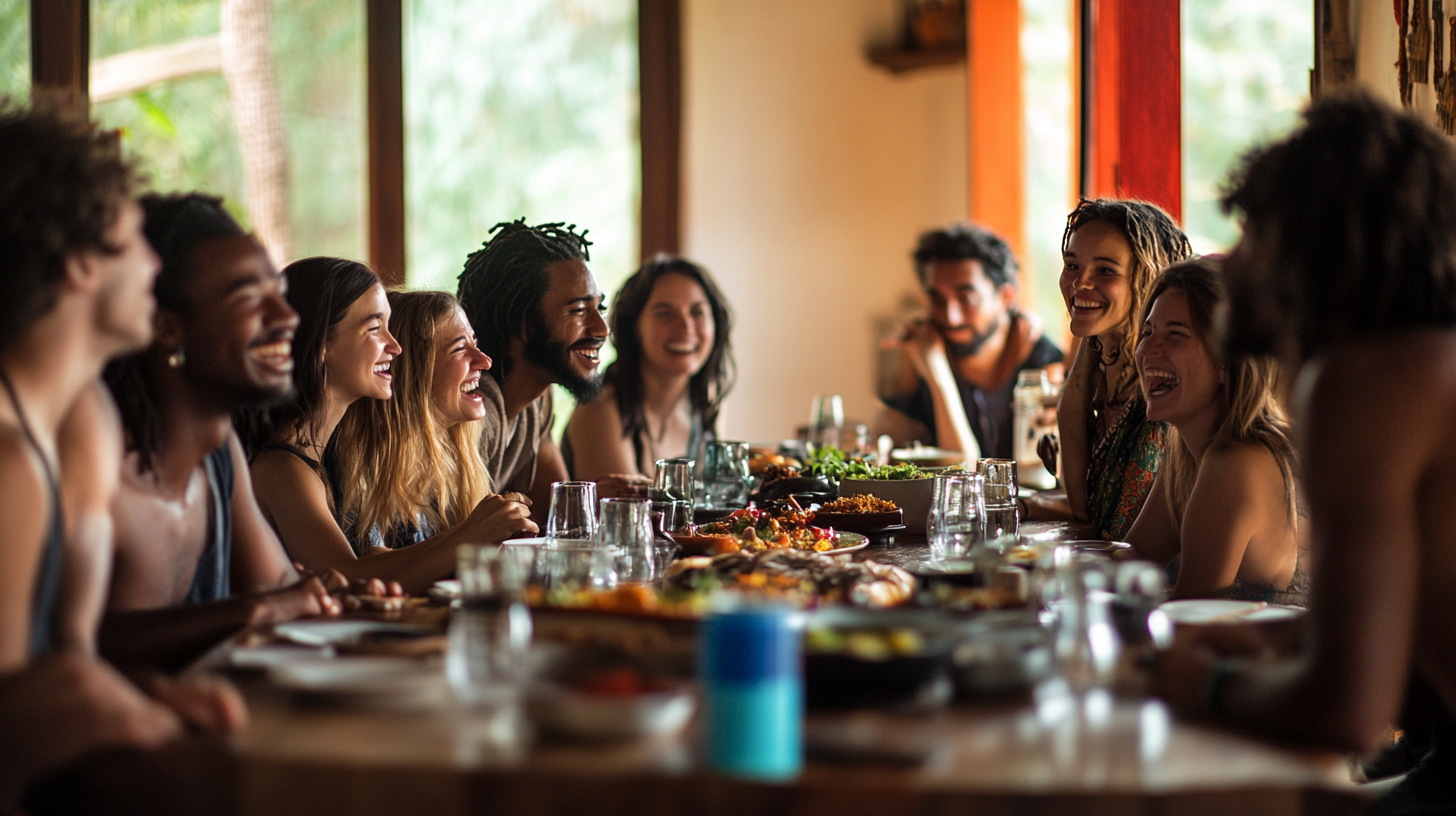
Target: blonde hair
point(397, 459)
point(1248, 401)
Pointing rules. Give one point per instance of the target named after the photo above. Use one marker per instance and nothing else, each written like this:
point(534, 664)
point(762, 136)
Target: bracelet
point(1215, 684)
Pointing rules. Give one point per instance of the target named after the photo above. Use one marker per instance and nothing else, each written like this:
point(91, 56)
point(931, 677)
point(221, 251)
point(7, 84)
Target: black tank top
point(45, 606)
point(212, 580)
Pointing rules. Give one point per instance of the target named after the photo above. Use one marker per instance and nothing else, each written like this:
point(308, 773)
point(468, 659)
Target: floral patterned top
point(1121, 469)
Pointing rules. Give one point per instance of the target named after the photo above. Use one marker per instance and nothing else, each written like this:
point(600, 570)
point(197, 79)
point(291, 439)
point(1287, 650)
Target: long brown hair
point(1156, 242)
point(397, 459)
point(1248, 404)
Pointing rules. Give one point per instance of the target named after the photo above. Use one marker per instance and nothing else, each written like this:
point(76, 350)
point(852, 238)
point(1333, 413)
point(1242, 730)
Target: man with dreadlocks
point(195, 560)
point(957, 370)
point(537, 312)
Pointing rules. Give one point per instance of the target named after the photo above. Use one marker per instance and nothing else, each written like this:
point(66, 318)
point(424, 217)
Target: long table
point(1048, 755)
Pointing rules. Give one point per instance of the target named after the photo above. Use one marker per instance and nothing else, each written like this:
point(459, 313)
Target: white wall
point(807, 175)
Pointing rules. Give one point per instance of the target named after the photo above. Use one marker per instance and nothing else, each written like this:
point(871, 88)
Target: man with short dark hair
point(953, 382)
point(537, 312)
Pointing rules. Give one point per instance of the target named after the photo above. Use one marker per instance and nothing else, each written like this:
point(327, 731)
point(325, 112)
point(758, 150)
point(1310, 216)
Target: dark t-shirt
point(989, 412)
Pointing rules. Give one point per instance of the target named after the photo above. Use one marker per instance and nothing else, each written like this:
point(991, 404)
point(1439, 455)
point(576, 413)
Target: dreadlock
point(504, 282)
point(1156, 242)
point(706, 388)
point(175, 225)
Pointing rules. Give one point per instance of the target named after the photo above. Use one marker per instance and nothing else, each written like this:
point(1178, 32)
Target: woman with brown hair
point(1111, 252)
point(1223, 503)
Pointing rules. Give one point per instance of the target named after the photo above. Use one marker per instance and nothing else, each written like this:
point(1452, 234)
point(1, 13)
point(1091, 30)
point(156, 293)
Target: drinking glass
point(672, 492)
point(826, 419)
point(1000, 491)
point(573, 514)
point(957, 515)
point(490, 632)
point(571, 566)
point(626, 531)
point(1080, 592)
point(725, 474)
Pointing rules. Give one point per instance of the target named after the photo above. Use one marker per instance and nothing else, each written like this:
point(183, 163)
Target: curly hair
point(63, 182)
point(175, 225)
point(706, 388)
point(504, 282)
point(1156, 243)
point(1349, 229)
point(963, 241)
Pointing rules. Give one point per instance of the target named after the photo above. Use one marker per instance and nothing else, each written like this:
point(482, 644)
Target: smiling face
point(360, 349)
point(126, 303)
point(1180, 377)
point(458, 368)
point(569, 348)
point(238, 334)
point(965, 305)
point(676, 327)
point(1096, 274)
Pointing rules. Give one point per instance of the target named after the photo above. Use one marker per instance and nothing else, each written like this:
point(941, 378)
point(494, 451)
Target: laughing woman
point(1223, 502)
point(410, 468)
point(1111, 252)
point(674, 366)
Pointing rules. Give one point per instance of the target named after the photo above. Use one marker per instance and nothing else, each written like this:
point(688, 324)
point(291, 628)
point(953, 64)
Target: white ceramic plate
point(446, 590)
point(849, 542)
point(1209, 610)
point(334, 632)
point(271, 654)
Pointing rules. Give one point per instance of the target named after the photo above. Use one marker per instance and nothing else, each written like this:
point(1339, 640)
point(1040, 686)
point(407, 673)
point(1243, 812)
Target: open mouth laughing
point(383, 370)
point(1083, 305)
point(1159, 381)
point(471, 387)
point(276, 355)
point(588, 351)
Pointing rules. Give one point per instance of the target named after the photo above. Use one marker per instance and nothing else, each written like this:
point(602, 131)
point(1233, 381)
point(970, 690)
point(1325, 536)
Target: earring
point(177, 358)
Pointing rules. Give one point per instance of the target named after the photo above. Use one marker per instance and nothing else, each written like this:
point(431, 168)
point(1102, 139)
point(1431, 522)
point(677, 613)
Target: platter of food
point(752, 530)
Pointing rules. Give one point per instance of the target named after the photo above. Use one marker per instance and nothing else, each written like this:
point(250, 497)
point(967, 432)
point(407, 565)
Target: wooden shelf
point(898, 61)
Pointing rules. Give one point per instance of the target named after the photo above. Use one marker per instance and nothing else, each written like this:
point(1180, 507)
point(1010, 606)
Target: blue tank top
point(212, 580)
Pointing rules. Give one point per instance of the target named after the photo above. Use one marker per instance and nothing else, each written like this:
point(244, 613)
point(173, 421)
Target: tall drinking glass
point(725, 474)
point(957, 516)
point(1000, 490)
point(672, 492)
point(490, 632)
point(626, 531)
point(573, 514)
point(826, 419)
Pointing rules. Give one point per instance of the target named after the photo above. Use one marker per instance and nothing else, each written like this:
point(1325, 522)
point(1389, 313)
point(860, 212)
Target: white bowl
point(561, 710)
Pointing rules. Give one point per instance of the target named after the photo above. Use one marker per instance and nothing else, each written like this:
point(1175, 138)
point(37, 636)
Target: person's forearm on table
point(171, 637)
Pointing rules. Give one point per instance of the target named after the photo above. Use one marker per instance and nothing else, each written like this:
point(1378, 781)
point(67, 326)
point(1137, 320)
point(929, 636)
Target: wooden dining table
point(1042, 753)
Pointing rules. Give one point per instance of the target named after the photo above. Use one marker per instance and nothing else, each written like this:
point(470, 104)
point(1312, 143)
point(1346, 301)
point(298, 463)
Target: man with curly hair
point(955, 371)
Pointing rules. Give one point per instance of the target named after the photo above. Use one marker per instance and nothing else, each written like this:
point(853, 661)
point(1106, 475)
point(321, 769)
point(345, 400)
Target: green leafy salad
point(831, 463)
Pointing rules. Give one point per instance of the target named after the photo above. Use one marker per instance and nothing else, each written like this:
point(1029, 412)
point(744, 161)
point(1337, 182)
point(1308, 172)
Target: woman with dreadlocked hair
point(1112, 251)
point(674, 366)
point(410, 466)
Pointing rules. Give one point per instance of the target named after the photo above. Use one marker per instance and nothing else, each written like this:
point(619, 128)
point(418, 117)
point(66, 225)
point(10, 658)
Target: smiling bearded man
point(537, 312)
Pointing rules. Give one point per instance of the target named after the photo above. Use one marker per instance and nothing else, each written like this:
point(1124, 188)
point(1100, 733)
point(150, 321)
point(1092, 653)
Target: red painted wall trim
point(1150, 121)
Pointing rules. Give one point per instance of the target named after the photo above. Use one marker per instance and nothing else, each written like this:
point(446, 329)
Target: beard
point(554, 357)
point(973, 346)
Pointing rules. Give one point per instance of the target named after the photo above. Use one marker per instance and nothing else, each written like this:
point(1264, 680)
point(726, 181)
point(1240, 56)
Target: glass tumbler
point(999, 477)
point(573, 514)
point(725, 474)
point(626, 532)
point(490, 632)
point(826, 419)
point(672, 492)
point(957, 515)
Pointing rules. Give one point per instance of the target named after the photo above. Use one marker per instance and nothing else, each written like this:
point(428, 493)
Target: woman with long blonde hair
point(410, 468)
point(1223, 503)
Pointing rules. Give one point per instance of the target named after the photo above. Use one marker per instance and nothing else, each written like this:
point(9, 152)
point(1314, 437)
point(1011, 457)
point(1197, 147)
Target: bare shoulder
point(91, 438)
point(24, 498)
point(1244, 467)
point(1382, 368)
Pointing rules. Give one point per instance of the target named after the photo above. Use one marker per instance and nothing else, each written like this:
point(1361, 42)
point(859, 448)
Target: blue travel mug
point(751, 666)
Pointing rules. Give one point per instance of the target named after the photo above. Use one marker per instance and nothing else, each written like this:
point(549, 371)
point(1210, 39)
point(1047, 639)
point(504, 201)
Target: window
point(15, 49)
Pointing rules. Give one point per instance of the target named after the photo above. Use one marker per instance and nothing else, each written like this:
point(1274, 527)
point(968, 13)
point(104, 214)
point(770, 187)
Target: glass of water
point(956, 523)
point(1002, 518)
point(573, 514)
point(725, 474)
point(490, 632)
point(826, 419)
point(672, 492)
point(626, 531)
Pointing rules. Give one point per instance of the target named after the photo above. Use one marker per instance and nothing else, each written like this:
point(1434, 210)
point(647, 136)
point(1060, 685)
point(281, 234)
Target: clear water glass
point(572, 566)
point(673, 492)
point(573, 514)
point(956, 522)
point(1000, 486)
point(826, 419)
point(725, 474)
point(490, 631)
point(626, 531)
